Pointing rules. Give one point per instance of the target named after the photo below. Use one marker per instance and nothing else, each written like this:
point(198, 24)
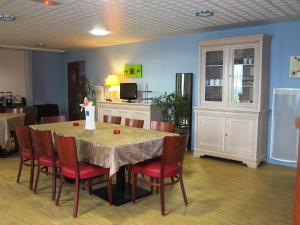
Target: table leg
point(121, 190)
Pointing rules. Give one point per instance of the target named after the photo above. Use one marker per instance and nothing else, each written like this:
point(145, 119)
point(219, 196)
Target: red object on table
point(75, 124)
point(117, 131)
point(297, 194)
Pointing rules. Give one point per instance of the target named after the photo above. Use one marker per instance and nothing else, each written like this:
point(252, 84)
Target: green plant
point(174, 108)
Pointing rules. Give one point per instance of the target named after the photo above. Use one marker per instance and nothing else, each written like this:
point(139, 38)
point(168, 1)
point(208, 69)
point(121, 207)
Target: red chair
point(26, 152)
point(169, 165)
point(134, 123)
point(162, 126)
point(45, 156)
point(112, 119)
point(79, 171)
point(53, 119)
point(30, 119)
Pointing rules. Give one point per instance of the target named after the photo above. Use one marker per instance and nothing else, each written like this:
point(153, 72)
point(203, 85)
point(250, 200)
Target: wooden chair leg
point(37, 178)
point(53, 183)
point(109, 189)
point(133, 187)
point(162, 196)
point(20, 170)
point(90, 186)
point(59, 189)
point(129, 173)
point(157, 188)
point(31, 174)
point(182, 188)
point(83, 182)
point(46, 171)
point(76, 198)
point(151, 187)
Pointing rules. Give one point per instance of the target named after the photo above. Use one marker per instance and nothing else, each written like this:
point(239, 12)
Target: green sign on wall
point(133, 70)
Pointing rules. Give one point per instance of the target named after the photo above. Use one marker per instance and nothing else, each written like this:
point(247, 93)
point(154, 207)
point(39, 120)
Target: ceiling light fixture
point(47, 2)
point(204, 13)
point(99, 31)
point(7, 17)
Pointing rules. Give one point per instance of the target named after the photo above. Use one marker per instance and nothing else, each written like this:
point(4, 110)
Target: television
point(128, 91)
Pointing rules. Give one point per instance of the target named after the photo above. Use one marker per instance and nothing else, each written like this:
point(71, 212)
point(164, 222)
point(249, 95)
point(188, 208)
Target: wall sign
point(133, 70)
point(295, 66)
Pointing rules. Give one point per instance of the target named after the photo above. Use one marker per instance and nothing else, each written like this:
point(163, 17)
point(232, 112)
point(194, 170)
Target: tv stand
point(141, 111)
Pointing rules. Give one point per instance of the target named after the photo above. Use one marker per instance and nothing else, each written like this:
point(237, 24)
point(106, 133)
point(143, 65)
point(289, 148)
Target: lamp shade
point(112, 80)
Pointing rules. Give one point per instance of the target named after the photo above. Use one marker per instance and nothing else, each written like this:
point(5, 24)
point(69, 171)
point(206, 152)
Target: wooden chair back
point(112, 119)
point(42, 143)
point(53, 119)
point(30, 119)
point(134, 123)
point(23, 138)
point(174, 149)
point(67, 154)
point(162, 126)
point(14, 110)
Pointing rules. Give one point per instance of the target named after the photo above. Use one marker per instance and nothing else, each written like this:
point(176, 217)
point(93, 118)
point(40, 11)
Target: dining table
point(7, 123)
point(112, 146)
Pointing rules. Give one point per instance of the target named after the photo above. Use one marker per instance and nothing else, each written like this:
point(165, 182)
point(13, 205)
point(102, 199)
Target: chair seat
point(26, 154)
point(85, 171)
point(46, 161)
point(152, 168)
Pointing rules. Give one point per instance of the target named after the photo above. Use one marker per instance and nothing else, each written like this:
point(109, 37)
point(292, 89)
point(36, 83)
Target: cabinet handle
point(226, 135)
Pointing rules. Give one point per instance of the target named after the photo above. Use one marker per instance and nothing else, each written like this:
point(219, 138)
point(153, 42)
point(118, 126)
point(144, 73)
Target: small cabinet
point(229, 135)
point(231, 118)
point(141, 111)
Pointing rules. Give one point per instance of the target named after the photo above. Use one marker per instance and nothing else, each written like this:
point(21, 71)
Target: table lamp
point(114, 83)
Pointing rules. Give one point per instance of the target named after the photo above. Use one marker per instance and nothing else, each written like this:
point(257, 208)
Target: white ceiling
point(66, 26)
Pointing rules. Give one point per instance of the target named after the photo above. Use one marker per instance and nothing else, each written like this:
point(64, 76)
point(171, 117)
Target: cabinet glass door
point(214, 67)
point(243, 76)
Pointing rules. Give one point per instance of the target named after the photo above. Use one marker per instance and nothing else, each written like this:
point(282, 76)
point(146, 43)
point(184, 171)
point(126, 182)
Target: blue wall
point(162, 58)
point(48, 82)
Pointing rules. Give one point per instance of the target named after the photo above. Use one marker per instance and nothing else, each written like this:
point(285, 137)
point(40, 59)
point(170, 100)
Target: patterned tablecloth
point(7, 123)
point(104, 148)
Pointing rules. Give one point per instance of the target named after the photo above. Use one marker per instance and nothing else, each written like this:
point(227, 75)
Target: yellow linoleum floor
point(219, 193)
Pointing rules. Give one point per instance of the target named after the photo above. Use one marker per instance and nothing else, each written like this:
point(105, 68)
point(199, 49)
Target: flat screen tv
point(128, 91)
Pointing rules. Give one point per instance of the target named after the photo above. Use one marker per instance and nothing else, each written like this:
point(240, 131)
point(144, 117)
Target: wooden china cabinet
point(231, 116)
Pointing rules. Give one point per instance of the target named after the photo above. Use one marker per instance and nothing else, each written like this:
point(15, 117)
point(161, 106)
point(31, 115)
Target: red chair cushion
point(85, 171)
point(26, 154)
point(46, 161)
point(152, 168)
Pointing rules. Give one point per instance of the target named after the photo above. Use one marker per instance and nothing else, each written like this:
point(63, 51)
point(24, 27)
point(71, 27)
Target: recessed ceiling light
point(204, 13)
point(7, 17)
point(99, 31)
point(47, 2)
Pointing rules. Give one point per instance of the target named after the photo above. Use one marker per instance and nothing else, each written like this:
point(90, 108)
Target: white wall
point(15, 72)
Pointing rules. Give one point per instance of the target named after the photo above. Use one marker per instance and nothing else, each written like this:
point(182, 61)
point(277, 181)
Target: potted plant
point(175, 108)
